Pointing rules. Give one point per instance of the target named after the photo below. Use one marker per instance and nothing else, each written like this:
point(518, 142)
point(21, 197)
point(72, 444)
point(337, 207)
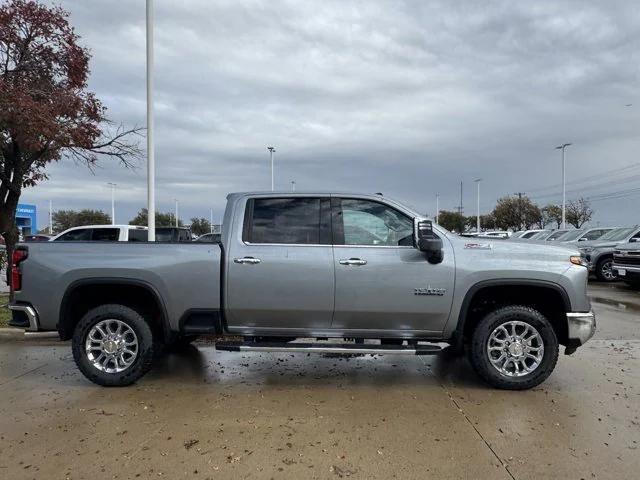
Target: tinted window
point(529, 234)
point(371, 223)
point(138, 235)
point(593, 234)
point(80, 235)
point(557, 234)
point(284, 220)
point(105, 235)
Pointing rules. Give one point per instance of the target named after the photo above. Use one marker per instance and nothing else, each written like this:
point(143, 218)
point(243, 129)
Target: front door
point(382, 281)
point(280, 273)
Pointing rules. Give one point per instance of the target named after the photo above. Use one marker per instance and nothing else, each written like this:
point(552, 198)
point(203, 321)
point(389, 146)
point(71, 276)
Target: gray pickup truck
point(310, 272)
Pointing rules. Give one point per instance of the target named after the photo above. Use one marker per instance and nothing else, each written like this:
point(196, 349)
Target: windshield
point(617, 234)
point(571, 235)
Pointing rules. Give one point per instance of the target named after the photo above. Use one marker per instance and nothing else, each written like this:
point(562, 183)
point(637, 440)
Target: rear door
point(280, 265)
point(382, 281)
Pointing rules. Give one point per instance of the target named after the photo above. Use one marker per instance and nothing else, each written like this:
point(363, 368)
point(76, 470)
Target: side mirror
point(634, 240)
point(428, 242)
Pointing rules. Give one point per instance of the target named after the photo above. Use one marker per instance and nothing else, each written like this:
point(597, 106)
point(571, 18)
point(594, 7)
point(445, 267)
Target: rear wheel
point(514, 348)
point(113, 345)
point(605, 271)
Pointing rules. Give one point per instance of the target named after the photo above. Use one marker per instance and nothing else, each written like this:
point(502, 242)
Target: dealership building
point(26, 219)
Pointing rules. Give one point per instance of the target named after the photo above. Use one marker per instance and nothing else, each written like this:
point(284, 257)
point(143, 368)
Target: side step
point(328, 348)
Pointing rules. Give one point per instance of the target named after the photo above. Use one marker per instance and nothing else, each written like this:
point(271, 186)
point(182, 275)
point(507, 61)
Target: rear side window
point(80, 235)
point(283, 220)
point(105, 235)
point(138, 235)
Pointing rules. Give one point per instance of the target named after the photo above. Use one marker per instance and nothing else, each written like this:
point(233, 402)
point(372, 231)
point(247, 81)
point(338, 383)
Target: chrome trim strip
point(630, 268)
point(34, 326)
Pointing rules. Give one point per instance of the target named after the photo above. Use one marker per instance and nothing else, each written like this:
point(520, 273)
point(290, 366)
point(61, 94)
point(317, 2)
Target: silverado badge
point(430, 291)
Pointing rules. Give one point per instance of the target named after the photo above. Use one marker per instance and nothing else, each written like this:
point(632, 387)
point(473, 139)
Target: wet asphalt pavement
point(206, 414)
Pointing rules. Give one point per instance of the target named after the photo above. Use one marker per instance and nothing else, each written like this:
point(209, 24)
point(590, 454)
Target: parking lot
point(207, 414)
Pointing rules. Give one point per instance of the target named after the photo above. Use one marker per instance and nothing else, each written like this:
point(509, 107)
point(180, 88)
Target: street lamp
point(293, 185)
point(437, 207)
point(176, 212)
point(113, 202)
point(151, 178)
point(478, 180)
point(271, 152)
point(564, 185)
point(211, 219)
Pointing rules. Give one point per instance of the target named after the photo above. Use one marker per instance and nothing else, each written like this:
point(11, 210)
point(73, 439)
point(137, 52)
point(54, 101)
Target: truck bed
point(185, 276)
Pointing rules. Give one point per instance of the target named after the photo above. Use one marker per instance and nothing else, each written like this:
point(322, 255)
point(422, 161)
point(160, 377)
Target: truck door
point(382, 281)
point(280, 265)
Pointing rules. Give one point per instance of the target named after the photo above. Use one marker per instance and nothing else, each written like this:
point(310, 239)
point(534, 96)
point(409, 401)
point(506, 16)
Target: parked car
point(541, 235)
point(495, 234)
point(556, 234)
point(103, 233)
point(296, 266)
point(525, 234)
point(173, 234)
point(599, 253)
point(39, 237)
point(584, 234)
point(626, 263)
point(208, 238)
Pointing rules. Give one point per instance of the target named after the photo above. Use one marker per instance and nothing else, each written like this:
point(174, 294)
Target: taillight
point(19, 255)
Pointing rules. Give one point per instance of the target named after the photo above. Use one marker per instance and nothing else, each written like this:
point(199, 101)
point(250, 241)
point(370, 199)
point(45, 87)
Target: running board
point(328, 348)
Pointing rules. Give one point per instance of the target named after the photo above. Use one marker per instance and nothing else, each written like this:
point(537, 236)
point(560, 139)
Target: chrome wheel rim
point(607, 270)
point(111, 346)
point(515, 349)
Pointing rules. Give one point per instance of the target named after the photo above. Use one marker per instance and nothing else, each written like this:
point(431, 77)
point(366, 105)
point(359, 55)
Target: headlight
point(578, 260)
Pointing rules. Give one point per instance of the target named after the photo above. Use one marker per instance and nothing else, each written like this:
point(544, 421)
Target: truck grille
point(619, 260)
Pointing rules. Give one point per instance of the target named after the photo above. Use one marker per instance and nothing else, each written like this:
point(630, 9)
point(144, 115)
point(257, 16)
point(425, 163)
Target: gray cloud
point(406, 98)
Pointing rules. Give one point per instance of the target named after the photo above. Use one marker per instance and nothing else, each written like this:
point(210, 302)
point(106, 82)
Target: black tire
point(604, 270)
point(143, 361)
point(479, 356)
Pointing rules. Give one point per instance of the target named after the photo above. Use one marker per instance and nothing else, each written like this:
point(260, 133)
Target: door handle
point(249, 260)
point(353, 261)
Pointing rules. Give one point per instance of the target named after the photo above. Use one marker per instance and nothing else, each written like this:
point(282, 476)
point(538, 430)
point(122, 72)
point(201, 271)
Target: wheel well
point(547, 300)
point(82, 298)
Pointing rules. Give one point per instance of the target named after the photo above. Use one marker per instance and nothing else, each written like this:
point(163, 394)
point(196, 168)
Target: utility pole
point(151, 165)
point(564, 185)
point(478, 180)
point(50, 218)
point(520, 219)
point(176, 212)
point(113, 202)
point(271, 152)
point(437, 207)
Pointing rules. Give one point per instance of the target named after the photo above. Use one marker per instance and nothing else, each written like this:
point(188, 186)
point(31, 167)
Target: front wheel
point(113, 345)
point(514, 348)
point(605, 271)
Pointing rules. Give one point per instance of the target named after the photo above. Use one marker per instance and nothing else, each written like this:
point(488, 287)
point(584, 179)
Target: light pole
point(271, 151)
point(151, 172)
point(211, 219)
point(293, 185)
point(437, 207)
point(113, 202)
point(478, 180)
point(176, 212)
point(564, 185)
point(50, 218)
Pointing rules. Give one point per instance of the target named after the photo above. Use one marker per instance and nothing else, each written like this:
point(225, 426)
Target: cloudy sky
point(407, 98)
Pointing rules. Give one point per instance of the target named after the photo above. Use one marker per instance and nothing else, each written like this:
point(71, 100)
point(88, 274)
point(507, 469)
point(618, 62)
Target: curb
point(11, 332)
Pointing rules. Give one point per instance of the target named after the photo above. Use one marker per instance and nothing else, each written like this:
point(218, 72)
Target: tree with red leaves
point(46, 111)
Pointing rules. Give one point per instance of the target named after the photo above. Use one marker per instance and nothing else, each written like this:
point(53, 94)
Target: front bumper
point(630, 271)
point(24, 316)
point(582, 326)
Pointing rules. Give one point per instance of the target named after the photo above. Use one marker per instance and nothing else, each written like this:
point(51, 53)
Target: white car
point(103, 233)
